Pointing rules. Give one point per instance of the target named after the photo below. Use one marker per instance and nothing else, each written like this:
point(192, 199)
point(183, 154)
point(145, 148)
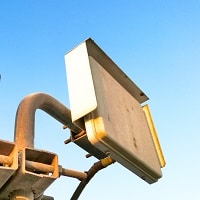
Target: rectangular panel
point(109, 102)
point(119, 126)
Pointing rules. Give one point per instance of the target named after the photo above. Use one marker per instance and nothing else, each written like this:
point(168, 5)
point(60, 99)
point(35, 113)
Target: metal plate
point(110, 102)
point(81, 90)
point(119, 126)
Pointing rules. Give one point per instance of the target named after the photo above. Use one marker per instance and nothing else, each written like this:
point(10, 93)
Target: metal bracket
point(82, 141)
point(38, 169)
point(8, 161)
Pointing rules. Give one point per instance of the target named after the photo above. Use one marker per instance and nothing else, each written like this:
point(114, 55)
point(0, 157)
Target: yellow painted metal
point(154, 135)
point(107, 161)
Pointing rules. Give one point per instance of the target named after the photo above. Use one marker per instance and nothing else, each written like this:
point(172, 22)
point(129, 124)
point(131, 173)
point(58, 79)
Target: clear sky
point(156, 43)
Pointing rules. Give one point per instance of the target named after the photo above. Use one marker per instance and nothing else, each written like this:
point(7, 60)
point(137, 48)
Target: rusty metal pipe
point(25, 117)
point(74, 174)
point(39, 167)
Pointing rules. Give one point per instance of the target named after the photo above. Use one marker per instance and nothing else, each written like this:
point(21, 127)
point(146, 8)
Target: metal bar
point(5, 160)
point(74, 174)
point(67, 141)
point(25, 117)
point(39, 167)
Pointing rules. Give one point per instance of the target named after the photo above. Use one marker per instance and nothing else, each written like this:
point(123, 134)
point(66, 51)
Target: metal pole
point(22, 195)
point(25, 117)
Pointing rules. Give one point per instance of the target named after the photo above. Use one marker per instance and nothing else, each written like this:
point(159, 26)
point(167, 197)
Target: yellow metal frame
point(154, 135)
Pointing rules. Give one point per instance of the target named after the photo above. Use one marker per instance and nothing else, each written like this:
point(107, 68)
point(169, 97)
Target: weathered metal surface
point(38, 169)
point(82, 141)
point(24, 124)
point(22, 195)
point(82, 91)
point(73, 173)
point(110, 104)
point(8, 161)
point(35, 166)
point(5, 160)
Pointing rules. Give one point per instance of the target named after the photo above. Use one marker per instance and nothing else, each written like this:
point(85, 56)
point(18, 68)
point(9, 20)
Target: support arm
point(25, 117)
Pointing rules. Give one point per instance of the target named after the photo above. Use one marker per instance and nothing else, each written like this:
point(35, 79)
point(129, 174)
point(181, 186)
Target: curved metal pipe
point(25, 117)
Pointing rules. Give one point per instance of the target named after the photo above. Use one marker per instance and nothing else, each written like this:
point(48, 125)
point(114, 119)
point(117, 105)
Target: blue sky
point(156, 43)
